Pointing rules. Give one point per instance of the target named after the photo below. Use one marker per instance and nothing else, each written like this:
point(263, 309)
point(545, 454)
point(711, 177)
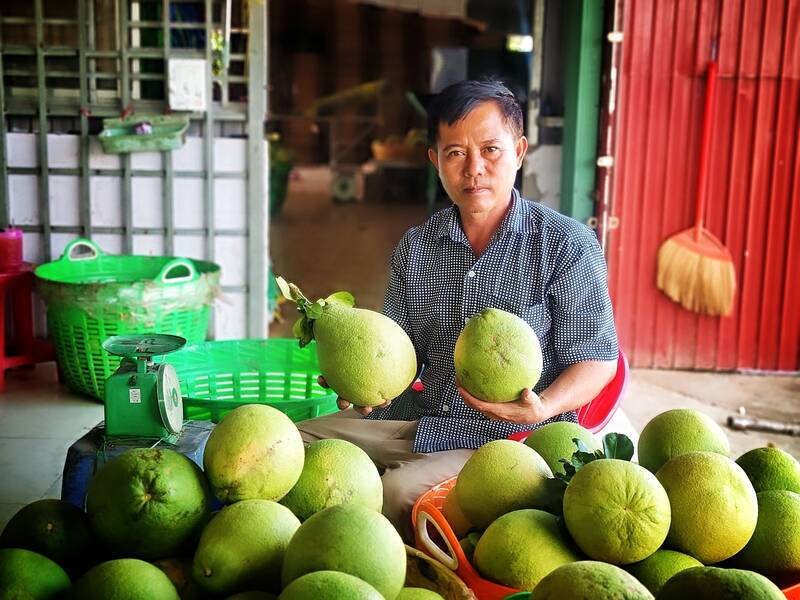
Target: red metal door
point(754, 182)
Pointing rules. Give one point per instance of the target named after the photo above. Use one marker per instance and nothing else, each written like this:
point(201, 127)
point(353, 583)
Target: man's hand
point(530, 408)
point(345, 404)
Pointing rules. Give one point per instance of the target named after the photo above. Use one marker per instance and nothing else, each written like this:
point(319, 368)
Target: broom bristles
point(689, 276)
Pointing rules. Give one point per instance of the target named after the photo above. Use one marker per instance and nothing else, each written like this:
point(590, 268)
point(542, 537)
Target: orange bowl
point(434, 536)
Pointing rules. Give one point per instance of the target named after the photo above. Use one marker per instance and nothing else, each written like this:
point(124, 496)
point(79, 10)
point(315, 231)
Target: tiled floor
point(39, 420)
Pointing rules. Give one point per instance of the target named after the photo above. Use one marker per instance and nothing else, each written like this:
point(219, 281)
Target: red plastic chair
point(595, 414)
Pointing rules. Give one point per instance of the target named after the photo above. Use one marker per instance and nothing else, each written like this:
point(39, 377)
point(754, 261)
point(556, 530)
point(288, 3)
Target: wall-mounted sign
point(187, 84)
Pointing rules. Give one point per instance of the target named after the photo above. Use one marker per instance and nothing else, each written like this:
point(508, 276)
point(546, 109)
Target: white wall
point(230, 209)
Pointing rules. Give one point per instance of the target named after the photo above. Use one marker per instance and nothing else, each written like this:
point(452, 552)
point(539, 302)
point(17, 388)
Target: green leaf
point(617, 445)
point(297, 328)
point(314, 311)
point(552, 496)
point(307, 333)
point(580, 445)
point(345, 298)
point(284, 288)
point(569, 470)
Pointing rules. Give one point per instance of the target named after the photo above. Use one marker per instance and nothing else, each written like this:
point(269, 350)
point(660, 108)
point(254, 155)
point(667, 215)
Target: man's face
point(477, 159)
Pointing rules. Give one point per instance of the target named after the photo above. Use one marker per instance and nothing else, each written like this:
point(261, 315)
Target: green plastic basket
point(119, 136)
point(91, 296)
point(217, 377)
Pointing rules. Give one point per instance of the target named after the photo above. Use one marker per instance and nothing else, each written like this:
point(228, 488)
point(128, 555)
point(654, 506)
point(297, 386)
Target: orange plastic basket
point(427, 512)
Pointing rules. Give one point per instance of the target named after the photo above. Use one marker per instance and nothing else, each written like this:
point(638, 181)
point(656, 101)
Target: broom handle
point(705, 148)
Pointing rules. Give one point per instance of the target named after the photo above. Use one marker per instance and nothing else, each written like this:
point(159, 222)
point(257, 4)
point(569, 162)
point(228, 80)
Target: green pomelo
point(242, 547)
point(351, 539)
point(616, 511)
point(714, 506)
point(771, 469)
point(713, 583)
point(415, 593)
point(329, 585)
point(179, 571)
point(253, 595)
point(774, 549)
point(148, 503)
point(254, 452)
point(500, 477)
point(554, 442)
point(590, 580)
point(677, 432)
point(124, 579)
point(454, 515)
point(27, 575)
point(521, 547)
point(497, 355)
point(55, 529)
point(335, 472)
point(468, 545)
point(655, 570)
point(364, 356)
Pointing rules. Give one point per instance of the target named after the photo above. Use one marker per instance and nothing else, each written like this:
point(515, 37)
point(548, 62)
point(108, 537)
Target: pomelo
point(677, 432)
point(714, 583)
point(27, 575)
point(590, 580)
point(522, 547)
point(655, 570)
point(352, 539)
point(364, 356)
point(415, 593)
point(242, 547)
point(329, 585)
point(714, 505)
point(771, 469)
point(124, 579)
point(148, 503)
point(554, 441)
point(497, 355)
point(774, 548)
point(254, 452)
point(616, 511)
point(500, 477)
point(455, 516)
point(55, 529)
point(335, 472)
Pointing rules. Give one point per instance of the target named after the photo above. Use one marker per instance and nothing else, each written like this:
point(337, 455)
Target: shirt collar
point(514, 220)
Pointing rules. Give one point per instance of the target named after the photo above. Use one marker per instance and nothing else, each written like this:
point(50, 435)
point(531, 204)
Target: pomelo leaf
point(617, 445)
point(345, 298)
point(284, 288)
point(314, 311)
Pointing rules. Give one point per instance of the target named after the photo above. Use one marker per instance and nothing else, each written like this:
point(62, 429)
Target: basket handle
point(177, 264)
point(82, 243)
point(429, 514)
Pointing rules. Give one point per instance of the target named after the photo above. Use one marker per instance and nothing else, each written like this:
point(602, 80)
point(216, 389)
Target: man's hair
point(456, 101)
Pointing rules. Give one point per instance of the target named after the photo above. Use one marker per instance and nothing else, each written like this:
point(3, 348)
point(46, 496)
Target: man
point(492, 248)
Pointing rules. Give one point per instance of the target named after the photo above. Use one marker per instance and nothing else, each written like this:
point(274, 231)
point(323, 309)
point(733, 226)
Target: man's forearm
point(577, 385)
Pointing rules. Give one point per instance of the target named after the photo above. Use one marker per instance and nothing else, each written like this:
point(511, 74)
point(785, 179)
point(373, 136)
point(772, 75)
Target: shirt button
point(471, 274)
point(445, 408)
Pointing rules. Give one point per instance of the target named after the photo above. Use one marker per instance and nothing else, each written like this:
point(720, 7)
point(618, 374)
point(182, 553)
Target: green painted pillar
point(583, 28)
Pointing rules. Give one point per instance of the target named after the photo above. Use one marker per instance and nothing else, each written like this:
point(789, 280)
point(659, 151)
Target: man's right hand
point(345, 404)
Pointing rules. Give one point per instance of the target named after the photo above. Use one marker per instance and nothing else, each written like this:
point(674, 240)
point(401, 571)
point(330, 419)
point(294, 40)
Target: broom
point(694, 268)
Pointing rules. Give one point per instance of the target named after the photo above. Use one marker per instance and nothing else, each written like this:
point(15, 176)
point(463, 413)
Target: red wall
point(754, 178)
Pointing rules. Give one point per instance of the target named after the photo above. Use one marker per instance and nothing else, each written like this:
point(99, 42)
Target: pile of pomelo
point(298, 523)
point(569, 516)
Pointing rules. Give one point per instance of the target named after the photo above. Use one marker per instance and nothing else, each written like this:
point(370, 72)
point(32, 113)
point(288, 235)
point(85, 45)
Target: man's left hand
point(528, 409)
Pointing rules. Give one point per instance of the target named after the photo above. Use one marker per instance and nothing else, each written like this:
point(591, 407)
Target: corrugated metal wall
point(754, 181)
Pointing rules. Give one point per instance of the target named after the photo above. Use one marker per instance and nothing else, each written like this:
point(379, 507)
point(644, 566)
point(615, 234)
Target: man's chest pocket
point(536, 315)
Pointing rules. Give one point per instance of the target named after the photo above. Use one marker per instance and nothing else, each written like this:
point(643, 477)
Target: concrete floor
point(323, 248)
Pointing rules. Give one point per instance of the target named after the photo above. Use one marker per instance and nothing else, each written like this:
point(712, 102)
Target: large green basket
point(91, 296)
point(217, 377)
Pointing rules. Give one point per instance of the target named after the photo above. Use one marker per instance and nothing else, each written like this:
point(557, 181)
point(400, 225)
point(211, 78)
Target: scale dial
point(170, 403)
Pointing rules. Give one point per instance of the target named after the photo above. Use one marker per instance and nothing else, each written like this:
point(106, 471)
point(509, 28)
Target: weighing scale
point(143, 398)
